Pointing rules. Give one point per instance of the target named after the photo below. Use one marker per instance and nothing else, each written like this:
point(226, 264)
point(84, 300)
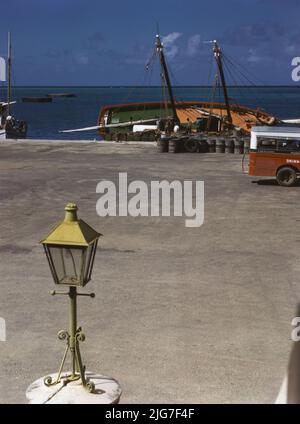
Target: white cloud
point(291, 49)
point(171, 48)
point(253, 57)
point(82, 59)
point(193, 45)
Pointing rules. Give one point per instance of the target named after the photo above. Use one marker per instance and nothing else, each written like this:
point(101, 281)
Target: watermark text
point(159, 198)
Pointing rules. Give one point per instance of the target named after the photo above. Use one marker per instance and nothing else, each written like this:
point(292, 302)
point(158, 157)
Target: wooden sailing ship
point(149, 120)
point(119, 120)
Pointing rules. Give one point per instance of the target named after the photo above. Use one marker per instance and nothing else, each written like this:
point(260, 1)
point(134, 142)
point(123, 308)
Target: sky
point(95, 42)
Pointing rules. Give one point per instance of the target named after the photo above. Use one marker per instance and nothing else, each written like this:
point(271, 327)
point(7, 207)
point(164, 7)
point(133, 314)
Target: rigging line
point(221, 110)
point(163, 107)
point(283, 97)
point(211, 90)
point(212, 98)
point(168, 67)
point(132, 89)
point(228, 70)
point(140, 83)
point(163, 93)
point(176, 83)
point(150, 67)
point(236, 72)
point(252, 83)
point(149, 74)
point(152, 58)
point(215, 88)
point(210, 69)
point(251, 74)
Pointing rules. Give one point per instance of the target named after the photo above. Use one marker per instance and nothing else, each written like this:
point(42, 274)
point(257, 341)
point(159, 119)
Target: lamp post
point(70, 249)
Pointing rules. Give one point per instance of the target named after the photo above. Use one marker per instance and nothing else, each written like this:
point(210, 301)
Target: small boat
point(45, 99)
point(61, 95)
point(10, 127)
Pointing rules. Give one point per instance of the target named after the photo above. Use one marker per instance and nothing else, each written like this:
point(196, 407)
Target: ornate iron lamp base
point(73, 338)
point(78, 368)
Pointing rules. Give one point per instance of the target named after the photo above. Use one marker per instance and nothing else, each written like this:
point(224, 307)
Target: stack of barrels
point(236, 145)
point(231, 145)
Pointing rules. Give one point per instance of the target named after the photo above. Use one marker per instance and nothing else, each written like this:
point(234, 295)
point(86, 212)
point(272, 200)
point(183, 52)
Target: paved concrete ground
point(181, 314)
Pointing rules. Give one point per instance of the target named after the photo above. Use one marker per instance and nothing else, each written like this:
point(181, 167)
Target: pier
point(183, 315)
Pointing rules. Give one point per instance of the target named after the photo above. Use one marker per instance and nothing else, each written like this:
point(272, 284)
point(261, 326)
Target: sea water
point(45, 120)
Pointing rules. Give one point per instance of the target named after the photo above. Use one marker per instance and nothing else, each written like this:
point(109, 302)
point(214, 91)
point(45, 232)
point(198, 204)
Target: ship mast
point(9, 74)
point(218, 56)
point(159, 48)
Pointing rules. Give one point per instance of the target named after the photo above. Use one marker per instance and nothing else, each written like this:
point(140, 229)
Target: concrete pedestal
point(107, 391)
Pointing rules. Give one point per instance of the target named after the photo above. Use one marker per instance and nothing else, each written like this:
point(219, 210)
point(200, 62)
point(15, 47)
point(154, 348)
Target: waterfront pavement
point(181, 314)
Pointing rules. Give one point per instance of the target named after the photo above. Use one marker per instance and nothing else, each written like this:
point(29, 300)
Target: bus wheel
point(191, 146)
point(286, 177)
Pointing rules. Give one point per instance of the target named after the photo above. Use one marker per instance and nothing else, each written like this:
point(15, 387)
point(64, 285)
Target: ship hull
point(243, 118)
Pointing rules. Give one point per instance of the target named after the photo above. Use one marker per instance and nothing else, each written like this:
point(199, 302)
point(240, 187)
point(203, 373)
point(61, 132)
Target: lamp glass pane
point(88, 257)
point(68, 263)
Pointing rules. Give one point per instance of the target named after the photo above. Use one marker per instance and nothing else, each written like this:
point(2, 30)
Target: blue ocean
point(45, 120)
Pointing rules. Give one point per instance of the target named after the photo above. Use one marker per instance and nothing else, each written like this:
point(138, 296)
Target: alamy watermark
point(295, 334)
point(2, 330)
point(159, 198)
point(296, 70)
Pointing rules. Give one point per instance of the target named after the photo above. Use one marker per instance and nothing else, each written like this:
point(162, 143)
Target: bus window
point(266, 144)
point(288, 145)
point(278, 145)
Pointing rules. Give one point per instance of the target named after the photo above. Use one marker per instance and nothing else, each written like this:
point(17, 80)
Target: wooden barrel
point(246, 145)
point(162, 146)
point(145, 136)
point(114, 136)
point(220, 145)
point(229, 145)
point(211, 145)
point(191, 145)
point(131, 136)
point(122, 136)
point(152, 136)
point(238, 146)
point(137, 136)
point(203, 146)
point(173, 146)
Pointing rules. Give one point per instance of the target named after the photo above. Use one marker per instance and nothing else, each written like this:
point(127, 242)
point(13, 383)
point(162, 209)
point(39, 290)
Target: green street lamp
point(70, 249)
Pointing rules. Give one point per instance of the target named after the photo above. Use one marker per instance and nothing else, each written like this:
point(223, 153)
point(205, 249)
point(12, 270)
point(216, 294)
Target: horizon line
point(148, 86)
